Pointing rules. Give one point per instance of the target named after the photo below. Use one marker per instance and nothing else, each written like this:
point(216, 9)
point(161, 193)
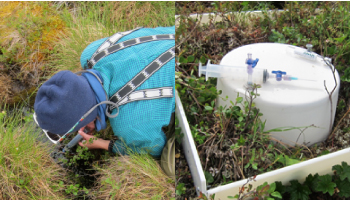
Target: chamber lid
point(275, 56)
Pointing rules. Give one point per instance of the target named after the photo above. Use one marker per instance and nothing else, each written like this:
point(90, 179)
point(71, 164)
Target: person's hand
point(90, 126)
point(91, 142)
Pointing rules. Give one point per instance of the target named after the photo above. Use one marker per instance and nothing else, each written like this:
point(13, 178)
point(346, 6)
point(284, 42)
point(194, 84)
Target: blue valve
point(279, 74)
point(252, 62)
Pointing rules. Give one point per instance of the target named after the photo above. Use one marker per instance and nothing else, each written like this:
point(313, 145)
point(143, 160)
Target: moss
point(28, 34)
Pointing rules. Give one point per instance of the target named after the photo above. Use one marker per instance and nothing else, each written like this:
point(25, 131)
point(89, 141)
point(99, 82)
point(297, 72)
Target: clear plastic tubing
point(259, 76)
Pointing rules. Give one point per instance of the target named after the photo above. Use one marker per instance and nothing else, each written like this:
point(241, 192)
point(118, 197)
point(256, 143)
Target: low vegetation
point(233, 137)
point(328, 186)
point(26, 169)
point(38, 39)
point(136, 177)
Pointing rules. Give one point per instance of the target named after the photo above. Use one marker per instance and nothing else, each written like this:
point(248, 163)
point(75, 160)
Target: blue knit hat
point(62, 101)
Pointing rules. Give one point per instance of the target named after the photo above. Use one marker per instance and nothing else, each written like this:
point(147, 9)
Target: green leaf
point(190, 59)
point(208, 177)
point(325, 152)
point(340, 40)
point(272, 187)
point(342, 170)
point(280, 187)
point(182, 60)
point(276, 194)
point(203, 59)
point(246, 166)
point(241, 140)
point(239, 99)
point(311, 181)
point(263, 188)
point(255, 166)
point(325, 184)
point(290, 161)
point(331, 50)
point(180, 189)
point(344, 188)
point(338, 169)
point(245, 3)
point(298, 191)
point(281, 159)
point(208, 108)
point(282, 129)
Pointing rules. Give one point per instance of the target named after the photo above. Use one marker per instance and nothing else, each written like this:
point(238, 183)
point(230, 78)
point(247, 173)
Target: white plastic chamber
point(296, 103)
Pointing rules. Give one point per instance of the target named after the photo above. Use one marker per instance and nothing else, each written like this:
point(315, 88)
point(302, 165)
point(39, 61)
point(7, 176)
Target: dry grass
point(147, 14)
point(5, 85)
point(134, 177)
point(112, 17)
point(71, 46)
point(26, 169)
point(28, 31)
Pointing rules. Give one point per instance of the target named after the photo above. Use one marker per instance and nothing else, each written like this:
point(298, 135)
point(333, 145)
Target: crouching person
point(128, 79)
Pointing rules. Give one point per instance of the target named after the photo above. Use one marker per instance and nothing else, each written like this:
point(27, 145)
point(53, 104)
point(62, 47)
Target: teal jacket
point(139, 123)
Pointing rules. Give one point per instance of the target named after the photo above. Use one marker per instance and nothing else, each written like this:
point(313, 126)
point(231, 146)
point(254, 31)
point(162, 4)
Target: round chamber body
point(287, 104)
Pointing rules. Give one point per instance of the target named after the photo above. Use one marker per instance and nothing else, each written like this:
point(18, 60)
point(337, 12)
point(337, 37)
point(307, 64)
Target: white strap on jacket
point(110, 49)
point(147, 94)
point(113, 39)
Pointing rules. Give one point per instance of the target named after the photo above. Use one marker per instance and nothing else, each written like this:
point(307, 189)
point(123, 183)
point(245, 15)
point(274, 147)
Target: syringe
point(240, 73)
point(74, 141)
point(234, 72)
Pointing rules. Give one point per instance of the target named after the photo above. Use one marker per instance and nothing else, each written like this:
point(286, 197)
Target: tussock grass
point(128, 15)
point(91, 21)
point(26, 169)
point(71, 47)
point(5, 85)
point(134, 177)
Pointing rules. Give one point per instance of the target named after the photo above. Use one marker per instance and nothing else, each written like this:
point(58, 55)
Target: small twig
point(251, 99)
point(208, 140)
point(180, 69)
point(242, 164)
point(301, 132)
point(254, 119)
point(283, 144)
point(330, 93)
point(185, 84)
point(242, 189)
point(237, 166)
point(235, 169)
point(196, 101)
point(312, 155)
point(336, 127)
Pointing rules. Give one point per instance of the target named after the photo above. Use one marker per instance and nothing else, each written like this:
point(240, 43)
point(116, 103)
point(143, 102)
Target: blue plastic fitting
point(252, 62)
point(279, 74)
